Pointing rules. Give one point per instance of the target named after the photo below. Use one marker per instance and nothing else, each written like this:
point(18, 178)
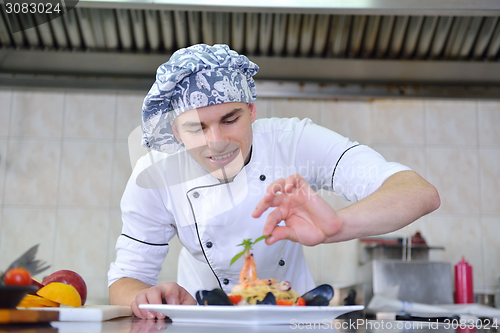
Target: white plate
point(251, 314)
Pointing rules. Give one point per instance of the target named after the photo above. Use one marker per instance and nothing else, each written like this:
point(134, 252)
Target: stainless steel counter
point(135, 325)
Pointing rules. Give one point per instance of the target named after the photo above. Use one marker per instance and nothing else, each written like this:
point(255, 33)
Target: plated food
point(251, 290)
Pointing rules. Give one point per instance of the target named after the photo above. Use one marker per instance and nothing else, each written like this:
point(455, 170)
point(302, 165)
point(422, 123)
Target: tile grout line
point(480, 189)
point(67, 139)
point(44, 206)
point(113, 156)
point(370, 121)
point(321, 111)
point(478, 147)
point(59, 177)
point(4, 176)
point(11, 106)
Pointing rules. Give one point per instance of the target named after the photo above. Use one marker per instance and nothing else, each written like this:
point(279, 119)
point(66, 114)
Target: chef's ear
point(176, 132)
point(253, 111)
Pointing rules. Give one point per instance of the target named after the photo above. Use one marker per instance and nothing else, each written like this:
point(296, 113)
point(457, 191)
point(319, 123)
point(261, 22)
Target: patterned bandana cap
point(194, 77)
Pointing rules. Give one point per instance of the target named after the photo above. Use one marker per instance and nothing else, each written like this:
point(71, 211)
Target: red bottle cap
point(463, 261)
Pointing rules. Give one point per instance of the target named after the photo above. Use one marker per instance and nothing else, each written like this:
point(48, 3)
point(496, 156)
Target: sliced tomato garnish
point(235, 299)
point(300, 301)
point(284, 302)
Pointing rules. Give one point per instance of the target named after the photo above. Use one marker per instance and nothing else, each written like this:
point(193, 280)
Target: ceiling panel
point(364, 31)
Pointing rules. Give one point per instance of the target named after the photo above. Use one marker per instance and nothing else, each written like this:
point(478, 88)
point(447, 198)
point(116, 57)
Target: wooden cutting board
point(43, 315)
point(12, 316)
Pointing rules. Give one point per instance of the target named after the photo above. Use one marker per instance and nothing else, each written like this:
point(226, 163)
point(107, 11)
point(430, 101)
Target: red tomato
point(17, 277)
point(301, 301)
point(235, 299)
point(284, 302)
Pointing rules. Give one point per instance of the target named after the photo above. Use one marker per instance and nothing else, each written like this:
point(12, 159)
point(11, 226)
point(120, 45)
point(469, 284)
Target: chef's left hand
point(164, 293)
point(309, 220)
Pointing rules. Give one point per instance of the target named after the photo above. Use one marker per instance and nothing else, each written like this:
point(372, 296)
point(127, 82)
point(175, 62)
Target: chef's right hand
point(309, 220)
point(165, 293)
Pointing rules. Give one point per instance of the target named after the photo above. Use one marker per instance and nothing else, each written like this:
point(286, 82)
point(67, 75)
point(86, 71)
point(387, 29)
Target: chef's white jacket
point(170, 195)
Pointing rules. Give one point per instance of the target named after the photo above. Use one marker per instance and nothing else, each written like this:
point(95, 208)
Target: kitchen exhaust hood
point(318, 48)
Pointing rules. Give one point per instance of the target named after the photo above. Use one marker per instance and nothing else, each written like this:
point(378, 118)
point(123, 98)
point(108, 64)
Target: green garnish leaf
point(236, 257)
point(261, 238)
point(247, 243)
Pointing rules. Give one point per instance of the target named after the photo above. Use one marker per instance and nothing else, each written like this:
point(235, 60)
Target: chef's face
point(219, 137)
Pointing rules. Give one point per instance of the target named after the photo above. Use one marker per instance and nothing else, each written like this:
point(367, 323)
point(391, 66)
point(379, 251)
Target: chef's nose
point(216, 139)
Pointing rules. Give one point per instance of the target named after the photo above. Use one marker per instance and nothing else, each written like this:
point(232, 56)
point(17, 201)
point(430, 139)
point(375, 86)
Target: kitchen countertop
point(136, 325)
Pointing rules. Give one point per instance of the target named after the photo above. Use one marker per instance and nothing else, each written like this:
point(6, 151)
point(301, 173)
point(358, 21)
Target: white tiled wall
point(64, 163)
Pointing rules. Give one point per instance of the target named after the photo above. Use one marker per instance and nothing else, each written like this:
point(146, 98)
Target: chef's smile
point(223, 159)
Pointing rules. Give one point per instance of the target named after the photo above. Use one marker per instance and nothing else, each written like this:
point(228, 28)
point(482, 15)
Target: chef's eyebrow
point(190, 124)
point(224, 117)
point(230, 114)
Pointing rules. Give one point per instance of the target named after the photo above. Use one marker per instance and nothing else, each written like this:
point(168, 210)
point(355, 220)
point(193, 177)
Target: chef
point(213, 171)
